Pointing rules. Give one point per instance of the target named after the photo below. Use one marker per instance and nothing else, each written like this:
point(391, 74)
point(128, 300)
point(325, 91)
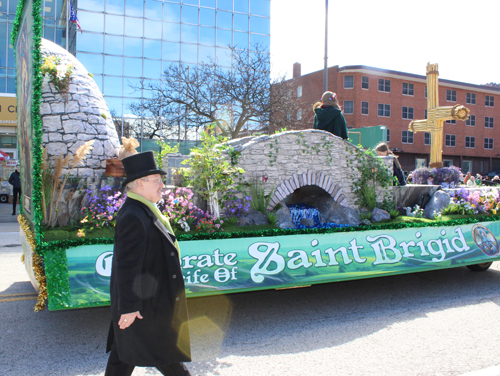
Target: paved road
point(426, 324)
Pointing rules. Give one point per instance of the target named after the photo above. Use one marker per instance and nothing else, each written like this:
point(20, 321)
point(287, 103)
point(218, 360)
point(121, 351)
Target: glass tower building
point(126, 41)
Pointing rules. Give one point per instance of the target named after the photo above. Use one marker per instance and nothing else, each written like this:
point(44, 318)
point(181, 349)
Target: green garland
point(17, 22)
point(385, 226)
point(57, 275)
point(36, 118)
point(35, 109)
point(61, 245)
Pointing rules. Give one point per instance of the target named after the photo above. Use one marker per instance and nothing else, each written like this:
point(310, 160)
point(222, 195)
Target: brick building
point(372, 96)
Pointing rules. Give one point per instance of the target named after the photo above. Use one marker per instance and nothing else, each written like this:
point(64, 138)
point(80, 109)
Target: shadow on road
point(72, 342)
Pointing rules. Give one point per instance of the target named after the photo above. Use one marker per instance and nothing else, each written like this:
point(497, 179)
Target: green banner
point(233, 265)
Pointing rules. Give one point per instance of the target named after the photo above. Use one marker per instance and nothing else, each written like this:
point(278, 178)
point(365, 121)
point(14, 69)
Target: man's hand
point(127, 319)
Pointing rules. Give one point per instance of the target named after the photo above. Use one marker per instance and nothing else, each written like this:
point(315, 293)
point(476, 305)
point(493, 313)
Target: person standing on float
point(328, 115)
point(148, 304)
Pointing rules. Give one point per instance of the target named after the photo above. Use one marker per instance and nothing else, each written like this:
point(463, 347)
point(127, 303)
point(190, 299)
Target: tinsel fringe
point(37, 264)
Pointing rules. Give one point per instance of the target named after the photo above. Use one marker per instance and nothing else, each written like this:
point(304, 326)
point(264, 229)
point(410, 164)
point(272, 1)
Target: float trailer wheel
point(480, 267)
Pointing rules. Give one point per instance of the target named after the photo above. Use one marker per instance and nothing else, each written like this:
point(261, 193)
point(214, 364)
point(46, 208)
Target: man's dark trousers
point(16, 193)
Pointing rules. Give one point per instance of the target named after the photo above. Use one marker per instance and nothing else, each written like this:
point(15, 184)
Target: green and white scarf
point(164, 220)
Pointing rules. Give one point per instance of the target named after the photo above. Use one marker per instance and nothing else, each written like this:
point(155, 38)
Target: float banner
point(246, 264)
point(24, 84)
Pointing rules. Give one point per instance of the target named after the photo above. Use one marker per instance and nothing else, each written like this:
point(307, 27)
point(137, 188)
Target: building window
point(384, 110)
point(471, 121)
point(451, 122)
point(420, 162)
point(348, 107)
point(288, 116)
point(447, 162)
point(425, 91)
point(489, 101)
point(470, 98)
point(299, 114)
point(365, 82)
point(348, 82)
point(299, 92)
point(470, 142)
point(488, 122)
point(466, 166)
point(450, 140)
point(451, 95)
point(407, 137)
point(427, 138)
point(384, 85)
point(488, 143)
point(407, 112)
point(364, 108)
point(407, 88)
point(388, 135)
point(8, 142)
point(425, 114)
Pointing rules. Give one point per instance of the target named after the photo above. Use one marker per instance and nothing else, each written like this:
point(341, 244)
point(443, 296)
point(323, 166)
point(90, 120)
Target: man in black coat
point(15, 181)
point(148, 304)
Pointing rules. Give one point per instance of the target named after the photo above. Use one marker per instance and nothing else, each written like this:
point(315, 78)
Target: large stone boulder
point(284, 218)
point(253, 218)
point(342, 215)
point(438, 202)
point(379, 215)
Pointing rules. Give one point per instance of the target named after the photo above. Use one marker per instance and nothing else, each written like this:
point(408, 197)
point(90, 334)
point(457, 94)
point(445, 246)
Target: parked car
point(5, 191)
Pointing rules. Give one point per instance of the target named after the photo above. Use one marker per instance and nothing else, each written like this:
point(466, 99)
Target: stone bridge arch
point(290, 160)
point(308, 178)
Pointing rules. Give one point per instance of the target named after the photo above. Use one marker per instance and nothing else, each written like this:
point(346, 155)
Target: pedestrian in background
point(328, 115)
point(382, 150)
point(15, 181)
point(149, 325)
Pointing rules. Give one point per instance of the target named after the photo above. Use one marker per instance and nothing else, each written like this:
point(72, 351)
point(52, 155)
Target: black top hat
point(140, 165)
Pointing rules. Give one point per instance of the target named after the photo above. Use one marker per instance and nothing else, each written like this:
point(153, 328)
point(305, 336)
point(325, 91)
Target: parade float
point(323, 196)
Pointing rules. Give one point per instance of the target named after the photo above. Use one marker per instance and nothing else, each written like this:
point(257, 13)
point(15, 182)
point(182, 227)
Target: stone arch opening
point(305, 182)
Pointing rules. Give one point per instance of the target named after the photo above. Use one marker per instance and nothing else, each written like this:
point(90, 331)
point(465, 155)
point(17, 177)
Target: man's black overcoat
point(146, 277)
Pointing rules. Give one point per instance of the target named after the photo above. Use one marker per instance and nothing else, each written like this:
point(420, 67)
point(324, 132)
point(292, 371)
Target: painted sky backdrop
point(461, 36)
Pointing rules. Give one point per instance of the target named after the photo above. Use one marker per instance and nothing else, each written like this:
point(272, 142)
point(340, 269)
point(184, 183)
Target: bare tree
point(242, 99)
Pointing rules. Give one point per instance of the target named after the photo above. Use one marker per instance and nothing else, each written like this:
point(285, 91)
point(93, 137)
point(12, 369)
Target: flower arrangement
point(470, 202)
point(443, 175)
point(210, 224)
point(235, 206)
point(57, 73)
point(177, 206)
point(101, 210)
point(416, 212)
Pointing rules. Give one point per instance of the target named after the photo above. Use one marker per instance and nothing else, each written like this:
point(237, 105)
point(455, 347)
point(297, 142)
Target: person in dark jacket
point(148, 305)
point(328, 115)
point(15, 181)
point(382, 150)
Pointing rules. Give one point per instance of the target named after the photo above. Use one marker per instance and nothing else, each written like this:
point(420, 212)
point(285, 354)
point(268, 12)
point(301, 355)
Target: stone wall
point(290, 160)
point(70, 119)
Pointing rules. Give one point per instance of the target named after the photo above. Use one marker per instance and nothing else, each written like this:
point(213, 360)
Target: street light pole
point(325, 70)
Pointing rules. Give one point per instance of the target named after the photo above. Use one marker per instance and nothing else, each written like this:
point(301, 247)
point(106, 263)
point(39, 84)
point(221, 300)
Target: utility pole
point(325, 70)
